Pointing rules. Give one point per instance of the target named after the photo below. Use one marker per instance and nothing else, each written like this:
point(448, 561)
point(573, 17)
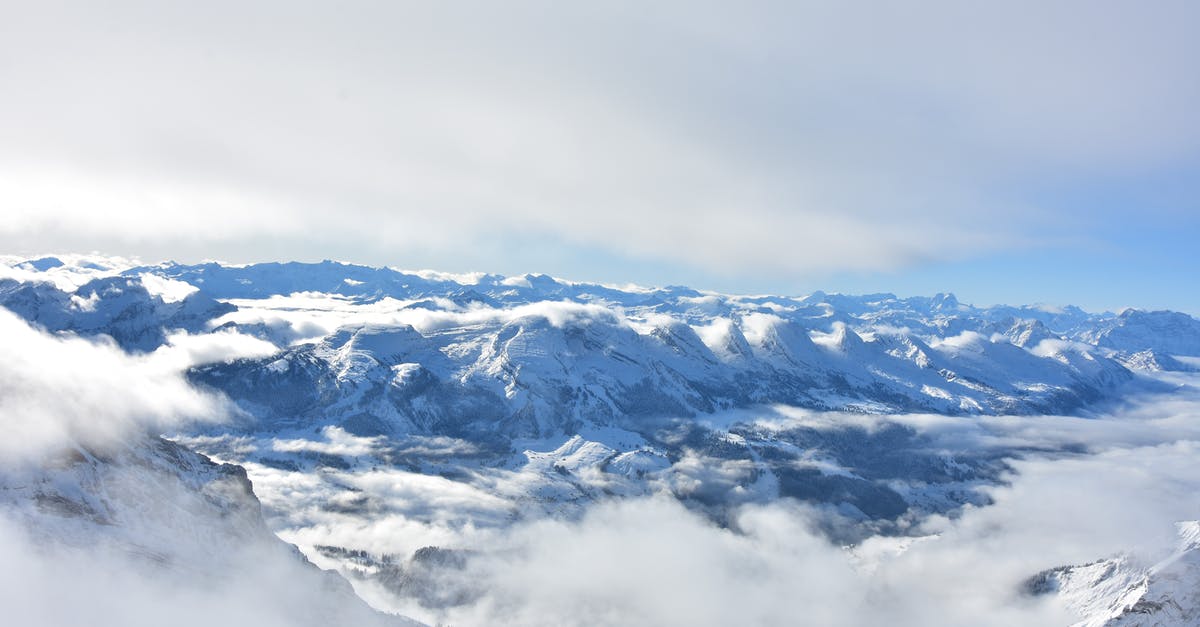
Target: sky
point(1014, 152)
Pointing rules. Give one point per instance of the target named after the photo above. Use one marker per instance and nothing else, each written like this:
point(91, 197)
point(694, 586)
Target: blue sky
point(1008, 152)
point(1111, 258)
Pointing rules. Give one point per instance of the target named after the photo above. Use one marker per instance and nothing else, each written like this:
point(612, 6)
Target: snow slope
point(164, 516)
point(1120, 592)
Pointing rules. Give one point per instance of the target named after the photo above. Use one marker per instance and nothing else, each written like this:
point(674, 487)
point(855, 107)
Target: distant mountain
point(533, 355)
point(1168, 332)
point(120, 307)
point(489, 360)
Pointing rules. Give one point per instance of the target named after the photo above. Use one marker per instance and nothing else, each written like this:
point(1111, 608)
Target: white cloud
point(76, 269)
point(1111, 482)
point(169, 290)
point(652, 562)
point(111, 584)
point(183, 350)
point(777, 137)
point(337, 442)
point(54, 390)
point(312, 316)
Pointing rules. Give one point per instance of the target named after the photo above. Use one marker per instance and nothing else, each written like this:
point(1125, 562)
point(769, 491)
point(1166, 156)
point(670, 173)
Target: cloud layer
point(1080, 489)
point(652, 562)
point(777, 137)
point(55, 390)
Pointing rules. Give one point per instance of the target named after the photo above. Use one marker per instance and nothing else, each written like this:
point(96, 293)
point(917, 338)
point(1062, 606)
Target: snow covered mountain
point(1168, 332)
point(519, 397)
point(490, 361)
point(1120, 592)
point(122, 308)
point(165, 516)
point(383, 351)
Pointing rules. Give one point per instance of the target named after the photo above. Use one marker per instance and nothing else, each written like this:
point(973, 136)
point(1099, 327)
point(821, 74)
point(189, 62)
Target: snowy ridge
point(1118, 592)
point(384, 351)
point(487, 367)
point(165, 512)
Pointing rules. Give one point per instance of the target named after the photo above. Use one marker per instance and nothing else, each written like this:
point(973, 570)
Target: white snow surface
point(383, 415)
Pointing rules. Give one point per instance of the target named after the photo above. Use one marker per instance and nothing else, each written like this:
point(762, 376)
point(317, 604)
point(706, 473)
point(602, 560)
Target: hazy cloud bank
point(1080, 489)
point(655, 563)
point(58, 389)
point(775, 138)
point(113, 584)
point(54, 390)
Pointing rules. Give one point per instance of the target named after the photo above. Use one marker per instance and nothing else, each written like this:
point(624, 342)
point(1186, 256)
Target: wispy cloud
point(60, 389)
point(56, 390)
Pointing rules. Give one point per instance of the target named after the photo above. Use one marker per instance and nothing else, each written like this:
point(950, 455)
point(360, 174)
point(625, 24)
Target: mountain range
point(575, 392)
